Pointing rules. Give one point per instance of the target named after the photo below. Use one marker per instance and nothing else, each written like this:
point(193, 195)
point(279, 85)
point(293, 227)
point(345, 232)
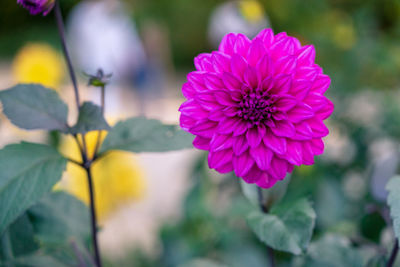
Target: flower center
point(256, 107)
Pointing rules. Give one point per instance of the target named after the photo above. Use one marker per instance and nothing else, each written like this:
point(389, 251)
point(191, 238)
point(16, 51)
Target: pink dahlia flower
point(257, 106)
point(37, 6)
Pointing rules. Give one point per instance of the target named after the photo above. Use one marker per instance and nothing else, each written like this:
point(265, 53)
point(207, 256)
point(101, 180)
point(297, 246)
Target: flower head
point(257, 106)
point(37, 6)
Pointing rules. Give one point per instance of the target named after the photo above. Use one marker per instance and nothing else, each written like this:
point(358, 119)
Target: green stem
point(264, 209)
point(103, 106)
point(393, 255)
point(93, 217)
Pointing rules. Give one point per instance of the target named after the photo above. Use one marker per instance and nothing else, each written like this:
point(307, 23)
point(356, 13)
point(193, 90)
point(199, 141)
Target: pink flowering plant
point(256, 106)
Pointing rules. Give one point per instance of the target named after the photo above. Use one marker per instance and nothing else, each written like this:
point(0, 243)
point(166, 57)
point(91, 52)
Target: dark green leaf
point(332, 251)
point(393, 186)
point(32, 106)
point(21, 236)
point(27, 172)
point(90, 119)
point(146, 135)
point(285, 228)
point(58, 217)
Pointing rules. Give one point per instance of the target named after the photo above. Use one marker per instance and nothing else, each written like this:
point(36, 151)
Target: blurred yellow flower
point(38, 63)
point(118, 178)
point(251, 10)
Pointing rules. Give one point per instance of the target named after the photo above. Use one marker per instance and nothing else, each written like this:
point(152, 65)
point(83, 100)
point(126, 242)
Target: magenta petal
point(186, 122)
point(220, 142)
point(221, 62)
point(326, 111)
point(278, 168)
point(196, 79)
point(242, 164)
point(240, 145)
point(300, 88)
point(205, 128)
point(303, 131)
point(300, 112)
point(213, 82)
point(318, 127)
point(264, 67)
point(266, 36)
point(266, 181)
point(227, 125)
point(308, 156)
point(317, 146)
point(253, 137)
point(201, 143)
point(188, 90)
point(262, 156)
point(228, 167)
point(238, 66)
point(267, 84)
point(203, 62)
point(282, 84)
point(219, 158)
point(275, 143)
point(321, 84)
point(216, 115)
point(253, 175)
point(286, 65)
point(224, 98)
point(240, 128)
point(241, 45)
point(192, 109)
point(294, 152)
point(250, 77)
point(316, 101)
point(307, 73)
point(285, 103)
point(228, 43)
point(283, 129)
point(231, 82)
point(306, 55)
point(256, 51)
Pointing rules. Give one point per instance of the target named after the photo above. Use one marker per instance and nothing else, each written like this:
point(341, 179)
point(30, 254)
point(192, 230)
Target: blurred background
point(179, 213)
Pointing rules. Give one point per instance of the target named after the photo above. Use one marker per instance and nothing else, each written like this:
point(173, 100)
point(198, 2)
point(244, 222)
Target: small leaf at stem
point(285, 228)
point(90, 119)
point(146, 135)
point(27, 172)
point(32, 106)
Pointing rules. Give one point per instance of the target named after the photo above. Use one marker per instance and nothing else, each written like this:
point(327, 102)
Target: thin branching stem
point(103, 106)
point(393, 255)
point(83, 148)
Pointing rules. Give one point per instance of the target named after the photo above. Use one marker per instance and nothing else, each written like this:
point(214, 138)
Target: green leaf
point(21, 236)
point(58, 217)
point(27, 172)
point(286, 228)
point(332, 251)
point(146, 135)
point(393, 200)
point(32, 106)
point(90, 119)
